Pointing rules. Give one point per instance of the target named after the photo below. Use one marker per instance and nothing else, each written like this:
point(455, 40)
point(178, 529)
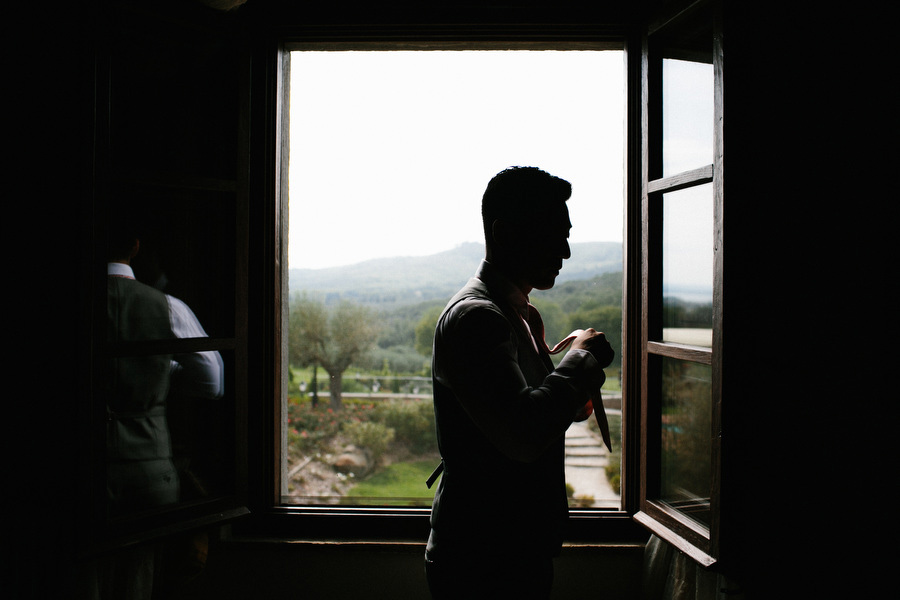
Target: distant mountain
point(408, 279)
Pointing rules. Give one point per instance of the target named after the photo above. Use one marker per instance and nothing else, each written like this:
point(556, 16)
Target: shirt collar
point(501, 285)
point(116, 269)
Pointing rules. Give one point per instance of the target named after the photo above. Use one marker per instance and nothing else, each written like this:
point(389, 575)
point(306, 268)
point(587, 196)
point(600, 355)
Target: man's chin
point(545, 283)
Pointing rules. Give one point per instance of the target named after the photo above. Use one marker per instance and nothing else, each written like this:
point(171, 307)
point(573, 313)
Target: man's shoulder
point(473, 309)
point(472, 295)
point(136, 288)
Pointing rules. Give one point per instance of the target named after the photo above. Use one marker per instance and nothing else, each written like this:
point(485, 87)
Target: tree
point(556, 325)
point(425, 330)
point(308, 321)
point(332, 339)
point(607, 319)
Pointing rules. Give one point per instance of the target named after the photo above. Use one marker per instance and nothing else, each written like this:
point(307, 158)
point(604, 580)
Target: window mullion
point(681, 352)
point(681, 180)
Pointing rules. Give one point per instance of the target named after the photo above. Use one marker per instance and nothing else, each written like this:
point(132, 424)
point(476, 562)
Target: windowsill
point(398, 545)
point(385, 528)
point(386, 544)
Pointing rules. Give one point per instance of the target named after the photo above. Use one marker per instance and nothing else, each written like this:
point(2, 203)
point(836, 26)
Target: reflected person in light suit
point(502, 408)
point(141, 474)
point(140, 470)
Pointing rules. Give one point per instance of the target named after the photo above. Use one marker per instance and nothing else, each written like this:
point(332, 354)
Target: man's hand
point(586, 411)
point(595, 342)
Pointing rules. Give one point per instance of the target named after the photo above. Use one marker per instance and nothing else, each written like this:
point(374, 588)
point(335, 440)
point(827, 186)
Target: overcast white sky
point(391, 151)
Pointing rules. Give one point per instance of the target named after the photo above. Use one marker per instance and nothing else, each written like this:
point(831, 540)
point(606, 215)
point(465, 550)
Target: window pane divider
point(681, 180)
point(677, 531)
point(169, 346)
point(695, 354)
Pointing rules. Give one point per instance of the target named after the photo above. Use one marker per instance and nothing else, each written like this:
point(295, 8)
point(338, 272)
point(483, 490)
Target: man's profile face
point(543, 244)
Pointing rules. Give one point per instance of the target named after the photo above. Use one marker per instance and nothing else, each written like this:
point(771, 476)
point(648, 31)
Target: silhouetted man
point(501, 407)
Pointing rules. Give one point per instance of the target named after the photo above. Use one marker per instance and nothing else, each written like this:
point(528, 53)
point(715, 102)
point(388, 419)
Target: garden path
point(586, 460)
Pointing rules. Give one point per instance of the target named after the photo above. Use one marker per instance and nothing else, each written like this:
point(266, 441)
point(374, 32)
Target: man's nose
point(564, 251)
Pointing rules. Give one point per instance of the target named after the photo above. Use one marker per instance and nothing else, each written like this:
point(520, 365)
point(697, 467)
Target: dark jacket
point(501, 413)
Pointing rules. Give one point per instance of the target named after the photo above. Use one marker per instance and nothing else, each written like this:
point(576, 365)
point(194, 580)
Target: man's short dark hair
point(521, 194)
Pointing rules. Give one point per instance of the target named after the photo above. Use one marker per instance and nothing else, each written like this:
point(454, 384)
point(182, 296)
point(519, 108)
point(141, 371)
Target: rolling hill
point(409, 279)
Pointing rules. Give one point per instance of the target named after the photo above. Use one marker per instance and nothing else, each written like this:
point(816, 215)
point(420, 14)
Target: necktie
point(536, 324)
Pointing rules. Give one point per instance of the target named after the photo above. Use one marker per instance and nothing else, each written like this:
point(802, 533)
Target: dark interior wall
point(259, 571)
point(799, 428)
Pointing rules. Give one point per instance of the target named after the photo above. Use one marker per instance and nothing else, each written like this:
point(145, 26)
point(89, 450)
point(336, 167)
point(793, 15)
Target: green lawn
point(399, 484)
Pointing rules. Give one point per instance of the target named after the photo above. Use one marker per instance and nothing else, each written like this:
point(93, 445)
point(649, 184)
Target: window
point(682, 272)
point(390, 151)
point(212, 202)
point(163, 444)
point(216, 189)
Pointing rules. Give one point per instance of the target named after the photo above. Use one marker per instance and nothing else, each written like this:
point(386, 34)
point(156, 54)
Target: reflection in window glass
point(167, 405)
point(685, 474)
point(688, 117)
point(168, 424)
point(185, 248)
point(390, 153)
point(688, 266)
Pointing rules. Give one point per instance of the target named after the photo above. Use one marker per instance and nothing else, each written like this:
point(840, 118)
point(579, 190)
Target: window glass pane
point(167, 403)
point(168, 430)
point(688, 266)
point(390, 154)
point(181, 243)
point(201, 421)
point(685, 473)
point(687, 115)
point(688, 118)
point(153, 104)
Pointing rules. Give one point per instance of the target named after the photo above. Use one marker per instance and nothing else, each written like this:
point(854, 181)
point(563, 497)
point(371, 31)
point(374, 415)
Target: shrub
point(413, 422)
point(310, 428)
point(372, 436)
point(584, 500)
point(615, 481)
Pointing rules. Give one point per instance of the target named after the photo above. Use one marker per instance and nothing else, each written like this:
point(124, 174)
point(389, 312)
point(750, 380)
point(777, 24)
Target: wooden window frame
point(117, 172)
point(674, 526)
point(271, 518)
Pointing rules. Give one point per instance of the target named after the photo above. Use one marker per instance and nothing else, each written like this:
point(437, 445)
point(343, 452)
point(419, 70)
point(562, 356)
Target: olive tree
point(332, 338)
